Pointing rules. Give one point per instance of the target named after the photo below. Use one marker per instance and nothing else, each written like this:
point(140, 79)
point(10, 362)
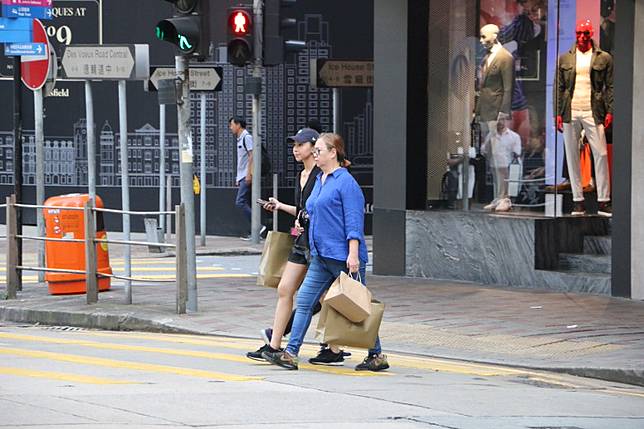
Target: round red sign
point(35, 68)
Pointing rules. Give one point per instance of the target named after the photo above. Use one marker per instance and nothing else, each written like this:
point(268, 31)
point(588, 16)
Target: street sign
point(201, 78)
point(40, 12)
point(15, 30)
point(106, 62)
point(35, 68)
point(42, 3)
point(328, 73)
point(24, 49)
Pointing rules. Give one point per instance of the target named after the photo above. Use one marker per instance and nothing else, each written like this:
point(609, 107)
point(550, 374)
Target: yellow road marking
point(177, 352)
point(396, 360)
point(62, 376)
point(111, 363)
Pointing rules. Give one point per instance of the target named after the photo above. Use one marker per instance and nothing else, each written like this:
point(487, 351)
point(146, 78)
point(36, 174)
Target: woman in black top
point(295, 270)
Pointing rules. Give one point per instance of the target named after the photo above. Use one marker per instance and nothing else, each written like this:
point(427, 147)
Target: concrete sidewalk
point(586, 335)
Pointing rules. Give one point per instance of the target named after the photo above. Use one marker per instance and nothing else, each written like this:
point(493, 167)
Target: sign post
point(35, 71)
point(200, 79)
point(109, 62)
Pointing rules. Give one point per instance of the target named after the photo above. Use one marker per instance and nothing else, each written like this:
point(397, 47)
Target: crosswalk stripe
point(177, 352)
point(112, 363)
point(398, 360)
point(61, 376)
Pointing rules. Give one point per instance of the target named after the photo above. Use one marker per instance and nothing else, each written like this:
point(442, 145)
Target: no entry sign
point(35, 68)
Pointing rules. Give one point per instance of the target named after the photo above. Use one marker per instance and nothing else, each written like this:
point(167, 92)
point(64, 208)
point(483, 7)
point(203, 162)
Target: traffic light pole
point(186, 172)
point(257, 117)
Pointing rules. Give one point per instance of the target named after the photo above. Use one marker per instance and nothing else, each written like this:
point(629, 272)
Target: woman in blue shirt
point(336, 240)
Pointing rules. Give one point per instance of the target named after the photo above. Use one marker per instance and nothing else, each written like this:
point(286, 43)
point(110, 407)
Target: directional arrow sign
point(341, 73)
point(43, 3)
point(40, 12)
point(106, 62)
point(22, 49)
point(201, 78)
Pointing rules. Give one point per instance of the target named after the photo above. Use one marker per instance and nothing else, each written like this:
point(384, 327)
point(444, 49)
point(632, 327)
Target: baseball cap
point(303, 136)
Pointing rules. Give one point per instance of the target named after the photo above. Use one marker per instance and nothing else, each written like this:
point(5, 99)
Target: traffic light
point(240, 35)
point(189, 28)
point(275, 27)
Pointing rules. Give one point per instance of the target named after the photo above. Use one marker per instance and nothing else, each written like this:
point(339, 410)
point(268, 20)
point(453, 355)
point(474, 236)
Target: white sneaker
point(504, 206)
point(495, 202)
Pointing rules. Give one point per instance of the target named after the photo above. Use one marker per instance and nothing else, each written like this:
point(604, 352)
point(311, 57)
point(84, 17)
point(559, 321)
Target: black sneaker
point(605, 209)
point(327, 357)
point(263, 232)
point(344, 354)
point(257, 354)
point(373, 363)
point(279, 358)
point(579, 209)
point(267, 334)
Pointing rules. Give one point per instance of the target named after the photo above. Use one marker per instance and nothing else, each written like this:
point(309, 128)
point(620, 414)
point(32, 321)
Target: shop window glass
point(499, 74)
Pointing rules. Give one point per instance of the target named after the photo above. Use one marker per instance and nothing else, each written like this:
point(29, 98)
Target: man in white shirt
point(244, 177)
point(501, 147)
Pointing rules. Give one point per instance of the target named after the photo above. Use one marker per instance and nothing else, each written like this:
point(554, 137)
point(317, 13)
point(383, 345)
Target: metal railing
point(13, 277)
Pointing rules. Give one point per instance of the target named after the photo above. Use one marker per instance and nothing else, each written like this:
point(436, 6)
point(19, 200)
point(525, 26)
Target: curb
point(130, 322)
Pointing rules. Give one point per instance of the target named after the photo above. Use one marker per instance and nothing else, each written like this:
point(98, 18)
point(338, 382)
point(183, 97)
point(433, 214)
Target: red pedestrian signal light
point(240, 38)
point(239, 22)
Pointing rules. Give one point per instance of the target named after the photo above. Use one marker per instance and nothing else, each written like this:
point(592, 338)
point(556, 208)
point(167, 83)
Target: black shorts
point(297, 257)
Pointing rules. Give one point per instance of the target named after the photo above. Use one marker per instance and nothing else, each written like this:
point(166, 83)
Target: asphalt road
point(74, 378)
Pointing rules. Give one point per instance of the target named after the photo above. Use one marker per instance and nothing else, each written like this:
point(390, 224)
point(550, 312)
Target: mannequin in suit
point(494, 101)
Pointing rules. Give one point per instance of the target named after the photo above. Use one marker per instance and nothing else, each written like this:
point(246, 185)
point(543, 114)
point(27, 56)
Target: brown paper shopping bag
point(274, 257)
point(350, 298)
point(334, 328)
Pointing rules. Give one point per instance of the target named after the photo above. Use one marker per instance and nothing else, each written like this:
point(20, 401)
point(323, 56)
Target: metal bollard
point(181, 259)
point(13, 279)
point(91, 280)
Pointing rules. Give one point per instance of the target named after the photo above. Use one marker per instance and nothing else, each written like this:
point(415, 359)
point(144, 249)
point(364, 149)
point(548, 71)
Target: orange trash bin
point(61, 223)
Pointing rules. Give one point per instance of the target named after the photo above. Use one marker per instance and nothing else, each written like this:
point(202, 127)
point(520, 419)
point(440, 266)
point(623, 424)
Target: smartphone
point(261, 202)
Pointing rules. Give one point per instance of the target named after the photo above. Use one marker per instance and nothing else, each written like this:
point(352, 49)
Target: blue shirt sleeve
point(353, 210)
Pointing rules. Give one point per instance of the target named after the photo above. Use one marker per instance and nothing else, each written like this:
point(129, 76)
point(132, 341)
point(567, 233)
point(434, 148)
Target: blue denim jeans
point(320, 276)
point(242, 201)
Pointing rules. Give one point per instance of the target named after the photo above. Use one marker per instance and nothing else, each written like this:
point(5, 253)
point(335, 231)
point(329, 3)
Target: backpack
point(267, 166)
